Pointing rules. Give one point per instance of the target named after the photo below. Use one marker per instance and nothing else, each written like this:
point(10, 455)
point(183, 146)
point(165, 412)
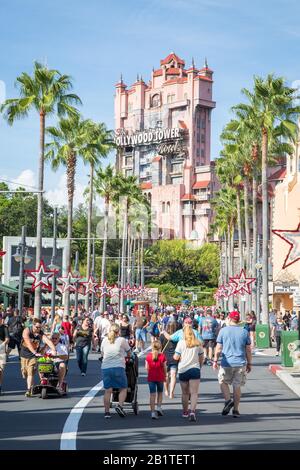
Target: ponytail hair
point(189, 337)
point(156, 349)
point(113, 333)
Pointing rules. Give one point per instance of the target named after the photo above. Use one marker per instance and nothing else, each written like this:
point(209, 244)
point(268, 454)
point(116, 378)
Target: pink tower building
point(163, 136)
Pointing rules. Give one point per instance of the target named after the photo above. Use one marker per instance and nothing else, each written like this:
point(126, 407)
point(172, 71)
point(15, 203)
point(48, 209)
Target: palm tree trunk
point(89, 231)
point(104, 250)
point(226, 263)
point(138, 279)
point(71, 169)
point(142, 261)
point(265, 228)
point(123, 256)
point(254, 240)
point(231, 260)
point(39, 225)
point(247, 229)
point(239, 220)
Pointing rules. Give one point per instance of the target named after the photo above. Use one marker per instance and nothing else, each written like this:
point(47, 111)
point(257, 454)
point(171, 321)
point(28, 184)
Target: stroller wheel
point(135, 407)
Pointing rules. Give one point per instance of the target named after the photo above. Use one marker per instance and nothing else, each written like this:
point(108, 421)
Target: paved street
point(271, 416)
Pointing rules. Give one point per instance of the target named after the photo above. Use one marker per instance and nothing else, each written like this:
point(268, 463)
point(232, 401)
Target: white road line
point(69, 434)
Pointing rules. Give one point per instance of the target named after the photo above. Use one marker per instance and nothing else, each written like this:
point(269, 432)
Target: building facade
point(286, 216)
point(163, 137)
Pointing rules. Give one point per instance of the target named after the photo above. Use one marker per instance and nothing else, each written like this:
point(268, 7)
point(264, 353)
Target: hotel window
point(198, 137)
point(198, 122)
point(168, 208)
point(170, 98)
point(163, 207)
point(158, 123)
point(129, 107)
point(198, 152)
point(128, 173)
point(177, 168)
point(202, 153)
point(202, 138)
point(155, 101)
point(203, 123)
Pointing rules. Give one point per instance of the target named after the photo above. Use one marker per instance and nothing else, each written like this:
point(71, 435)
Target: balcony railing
point(202, 211)
point(188, 210)
point(202, 196)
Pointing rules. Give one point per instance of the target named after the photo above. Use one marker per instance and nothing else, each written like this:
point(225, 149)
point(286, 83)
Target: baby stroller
point(132, 372)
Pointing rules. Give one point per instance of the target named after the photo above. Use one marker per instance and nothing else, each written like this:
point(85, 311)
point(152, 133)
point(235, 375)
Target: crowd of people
point(182, 340)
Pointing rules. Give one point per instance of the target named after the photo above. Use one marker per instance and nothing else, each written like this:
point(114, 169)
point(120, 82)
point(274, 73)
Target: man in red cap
point(234, 343)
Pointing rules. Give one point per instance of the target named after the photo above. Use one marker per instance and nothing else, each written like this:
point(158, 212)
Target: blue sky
point(95, 40)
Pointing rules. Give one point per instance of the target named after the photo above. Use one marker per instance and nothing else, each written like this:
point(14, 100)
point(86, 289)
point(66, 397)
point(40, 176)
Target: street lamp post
point(22, 257)
point(77, 274)
point(258, 267)
point(53, 266)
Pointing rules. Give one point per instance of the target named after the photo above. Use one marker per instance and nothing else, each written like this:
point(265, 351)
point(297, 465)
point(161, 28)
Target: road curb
point(291, 377)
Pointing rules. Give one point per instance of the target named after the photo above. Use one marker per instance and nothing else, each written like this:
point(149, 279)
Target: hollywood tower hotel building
point(163, 132)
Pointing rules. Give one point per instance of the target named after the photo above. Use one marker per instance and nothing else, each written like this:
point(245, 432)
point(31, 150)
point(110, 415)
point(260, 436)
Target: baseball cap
point(234, 316)
point(188, 321)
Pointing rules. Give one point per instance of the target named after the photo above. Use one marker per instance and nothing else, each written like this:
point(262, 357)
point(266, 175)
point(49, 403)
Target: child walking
point(157, 371)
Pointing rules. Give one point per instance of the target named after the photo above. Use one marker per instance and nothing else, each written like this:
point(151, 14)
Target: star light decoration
point(41, 276)
point(242, 283)
point(67, 283)
point(90, 286)
point(2, 253)
point(104, 289)
point(292, 237)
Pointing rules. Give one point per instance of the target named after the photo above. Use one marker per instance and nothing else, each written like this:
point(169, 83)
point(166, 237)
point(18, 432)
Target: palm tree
point(271, 106)
point(69, 141)
point(106, 184)
point(132, 194)
point(47, 92)
point(100, 142)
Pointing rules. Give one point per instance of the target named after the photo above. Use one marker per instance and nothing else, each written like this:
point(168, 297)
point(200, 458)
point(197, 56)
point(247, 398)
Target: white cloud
point(26, 178)
point(59, 196)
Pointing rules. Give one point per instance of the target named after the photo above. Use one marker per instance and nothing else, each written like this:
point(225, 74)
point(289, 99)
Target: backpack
point(15, 329)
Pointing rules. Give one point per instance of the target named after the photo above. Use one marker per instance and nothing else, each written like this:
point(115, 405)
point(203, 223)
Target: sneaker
point(107, 415)
point(236, 414)
point(83, 374)
point(192, 416)
point(159, 411)
point(28, 394)
point(120, 411)
point(208, 362)
point(185, 414)
point(228, 405)
point(154, 415)
point(277, 353)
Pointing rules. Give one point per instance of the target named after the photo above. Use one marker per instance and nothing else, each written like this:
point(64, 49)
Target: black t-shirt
point(35, 340)
point(125, 331)
point(84, 337)
point(3, 332)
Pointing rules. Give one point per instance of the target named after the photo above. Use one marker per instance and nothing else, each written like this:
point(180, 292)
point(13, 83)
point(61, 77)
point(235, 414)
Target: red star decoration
point(104, 289)
point(90, 285)
point(2, 253)
point(41, 276)
point(127, 290)
point(242, 283)
point(68, 283)
point(292, 237)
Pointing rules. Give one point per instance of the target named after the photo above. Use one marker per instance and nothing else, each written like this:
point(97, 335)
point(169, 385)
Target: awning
point(8, 289)
point(201, 184)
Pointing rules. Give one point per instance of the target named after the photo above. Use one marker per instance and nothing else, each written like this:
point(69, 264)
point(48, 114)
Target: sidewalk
point(290, 376)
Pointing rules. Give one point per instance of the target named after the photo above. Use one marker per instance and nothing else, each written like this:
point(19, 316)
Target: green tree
point(46, 92)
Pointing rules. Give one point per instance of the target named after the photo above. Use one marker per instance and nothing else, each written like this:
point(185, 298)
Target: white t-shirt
point(114, 353)
point(104, 327)
point(189, 357)
point(61, 350)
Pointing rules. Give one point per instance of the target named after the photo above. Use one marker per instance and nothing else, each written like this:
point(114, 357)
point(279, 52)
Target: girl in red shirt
point(157, 370)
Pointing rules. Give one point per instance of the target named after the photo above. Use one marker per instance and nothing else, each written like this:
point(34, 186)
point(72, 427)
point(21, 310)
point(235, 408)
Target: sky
point(96, 40)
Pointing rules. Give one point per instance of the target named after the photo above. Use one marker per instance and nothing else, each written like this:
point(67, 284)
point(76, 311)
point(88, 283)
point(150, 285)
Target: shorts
point(114, 377)
point(2, 362)
point(156, 387)
point(140, 334)
point(28, 367)
point(191, 374)
point(173, 367)
point(209, 343)
point(235, 376)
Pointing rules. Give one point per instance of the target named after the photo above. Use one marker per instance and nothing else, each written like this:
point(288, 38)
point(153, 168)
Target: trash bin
point(289, 343)
point(262, 336)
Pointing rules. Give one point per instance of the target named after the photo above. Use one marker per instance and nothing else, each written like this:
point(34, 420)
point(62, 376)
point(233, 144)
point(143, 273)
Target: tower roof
point(171, 57)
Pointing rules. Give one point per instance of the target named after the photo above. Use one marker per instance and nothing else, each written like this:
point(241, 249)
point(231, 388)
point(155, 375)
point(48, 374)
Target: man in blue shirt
point(208, 328)
point(235, 345)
